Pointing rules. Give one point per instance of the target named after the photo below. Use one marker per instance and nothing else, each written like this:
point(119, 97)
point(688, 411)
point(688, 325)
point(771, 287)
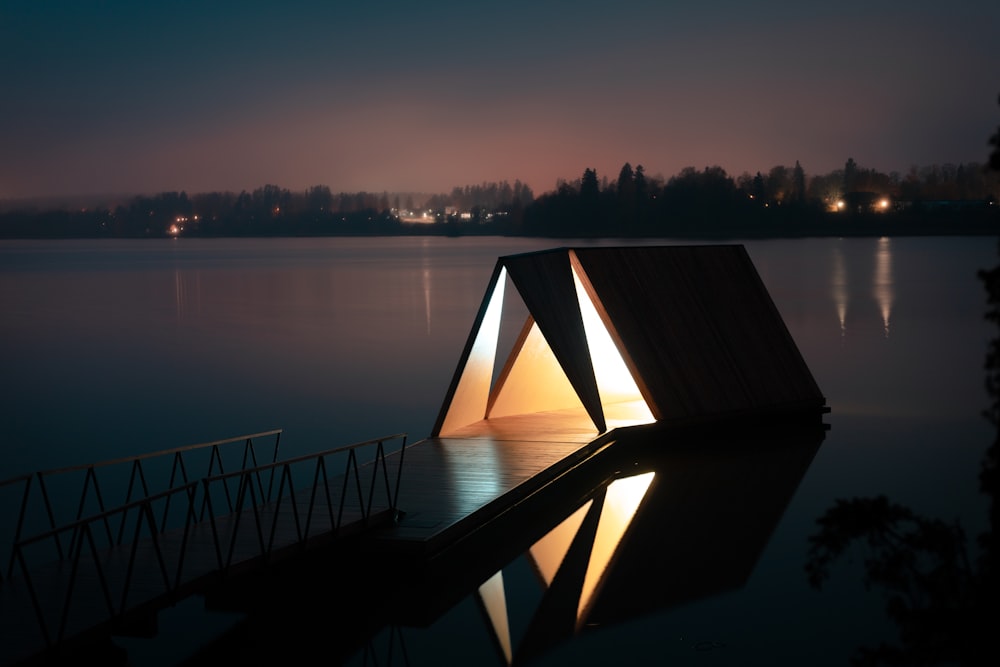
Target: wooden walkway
point(448, 487)
point(452, 485)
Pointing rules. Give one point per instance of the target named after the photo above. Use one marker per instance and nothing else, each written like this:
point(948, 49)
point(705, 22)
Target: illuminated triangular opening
point(532, 380)
point(620, 504)
point(494, 600)
point(468, 403)
point(615, 383)
point(548, 553)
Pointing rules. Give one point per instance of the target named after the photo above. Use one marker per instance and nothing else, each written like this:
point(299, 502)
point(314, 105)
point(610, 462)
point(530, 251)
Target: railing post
point(399, 475)
point(39, 612)
point(20, 522)
point(49, 512)
point(207, 501)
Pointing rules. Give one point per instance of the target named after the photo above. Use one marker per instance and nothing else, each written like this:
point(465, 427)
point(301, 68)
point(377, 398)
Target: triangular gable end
point(532, 379)
point(567, 355)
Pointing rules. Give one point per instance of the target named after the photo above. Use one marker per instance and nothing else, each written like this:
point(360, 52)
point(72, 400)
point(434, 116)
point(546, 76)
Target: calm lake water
point(113, 348)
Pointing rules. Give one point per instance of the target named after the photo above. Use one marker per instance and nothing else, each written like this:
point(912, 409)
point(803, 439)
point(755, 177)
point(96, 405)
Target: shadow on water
point(942, 599)
point(650, 523)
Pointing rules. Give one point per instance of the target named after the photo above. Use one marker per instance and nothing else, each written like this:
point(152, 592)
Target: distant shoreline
point(983, 220)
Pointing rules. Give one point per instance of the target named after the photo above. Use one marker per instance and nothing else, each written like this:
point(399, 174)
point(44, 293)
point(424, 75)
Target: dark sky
point(123, 96)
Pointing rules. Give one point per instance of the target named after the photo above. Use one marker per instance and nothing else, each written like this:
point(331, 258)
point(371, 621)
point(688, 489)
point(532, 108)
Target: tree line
point(782, 201)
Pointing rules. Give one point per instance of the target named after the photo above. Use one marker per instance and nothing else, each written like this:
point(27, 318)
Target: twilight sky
point(121, 96)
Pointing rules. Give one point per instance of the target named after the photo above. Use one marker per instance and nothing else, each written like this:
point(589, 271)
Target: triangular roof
point(694, 326)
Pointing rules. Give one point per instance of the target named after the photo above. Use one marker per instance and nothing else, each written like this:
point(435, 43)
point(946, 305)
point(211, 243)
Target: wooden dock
point(452, 485)
point(691, 328)
point(449, 486)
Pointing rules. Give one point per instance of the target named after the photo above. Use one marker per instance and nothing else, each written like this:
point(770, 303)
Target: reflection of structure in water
point(688, 523)
point(662, 361)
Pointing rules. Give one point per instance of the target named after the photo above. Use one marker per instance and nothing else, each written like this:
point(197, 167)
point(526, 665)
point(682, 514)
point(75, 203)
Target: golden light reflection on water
point(618, 504)
point(491, 592)
point(883, 286)
point(838, 287)
point(548, 553)
point(850, 300)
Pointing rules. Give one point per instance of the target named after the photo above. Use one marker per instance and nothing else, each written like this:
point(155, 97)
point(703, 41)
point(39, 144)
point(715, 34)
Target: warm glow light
point(535, 382)
point(838, 285)
point(548, 553)
point(883, 291)
point(884, 204)
point(621, 501)
point(614, 381)
point(495, 602)
point(840, 205)
point(468, 405)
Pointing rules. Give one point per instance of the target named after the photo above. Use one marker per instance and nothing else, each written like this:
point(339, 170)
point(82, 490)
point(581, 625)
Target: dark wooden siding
point(700, 330)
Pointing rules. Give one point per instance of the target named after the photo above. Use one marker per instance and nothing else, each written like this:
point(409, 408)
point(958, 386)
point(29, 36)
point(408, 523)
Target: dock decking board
point(449, 485)
point(453, 484)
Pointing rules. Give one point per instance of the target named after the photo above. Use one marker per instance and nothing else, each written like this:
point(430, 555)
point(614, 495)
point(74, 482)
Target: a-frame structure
point(676, 334)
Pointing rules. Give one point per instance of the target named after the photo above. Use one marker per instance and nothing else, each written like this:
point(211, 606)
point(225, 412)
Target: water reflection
point(838, 287)
point(939, 590)
point(612, 510)
point(187, 293)
point(684, 521)
point(846, 282)
point(882, 285)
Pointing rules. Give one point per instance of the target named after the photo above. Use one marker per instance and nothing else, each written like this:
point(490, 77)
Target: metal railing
point(38, 512)
point(321, 507)
point(100, 546)
point(162, 524)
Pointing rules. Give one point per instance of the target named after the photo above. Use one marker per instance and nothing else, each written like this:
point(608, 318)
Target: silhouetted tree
point(641, 198)
point(798, 184)
point(850, 175)
point(625, 192)
point(589, 213)
point(778, 184)
point(319, 198)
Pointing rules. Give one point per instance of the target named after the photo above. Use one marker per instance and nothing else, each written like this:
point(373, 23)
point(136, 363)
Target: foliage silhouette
point(945, 604)
point(940, 199)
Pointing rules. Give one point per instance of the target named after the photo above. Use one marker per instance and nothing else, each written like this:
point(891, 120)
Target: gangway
point(112, 565)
